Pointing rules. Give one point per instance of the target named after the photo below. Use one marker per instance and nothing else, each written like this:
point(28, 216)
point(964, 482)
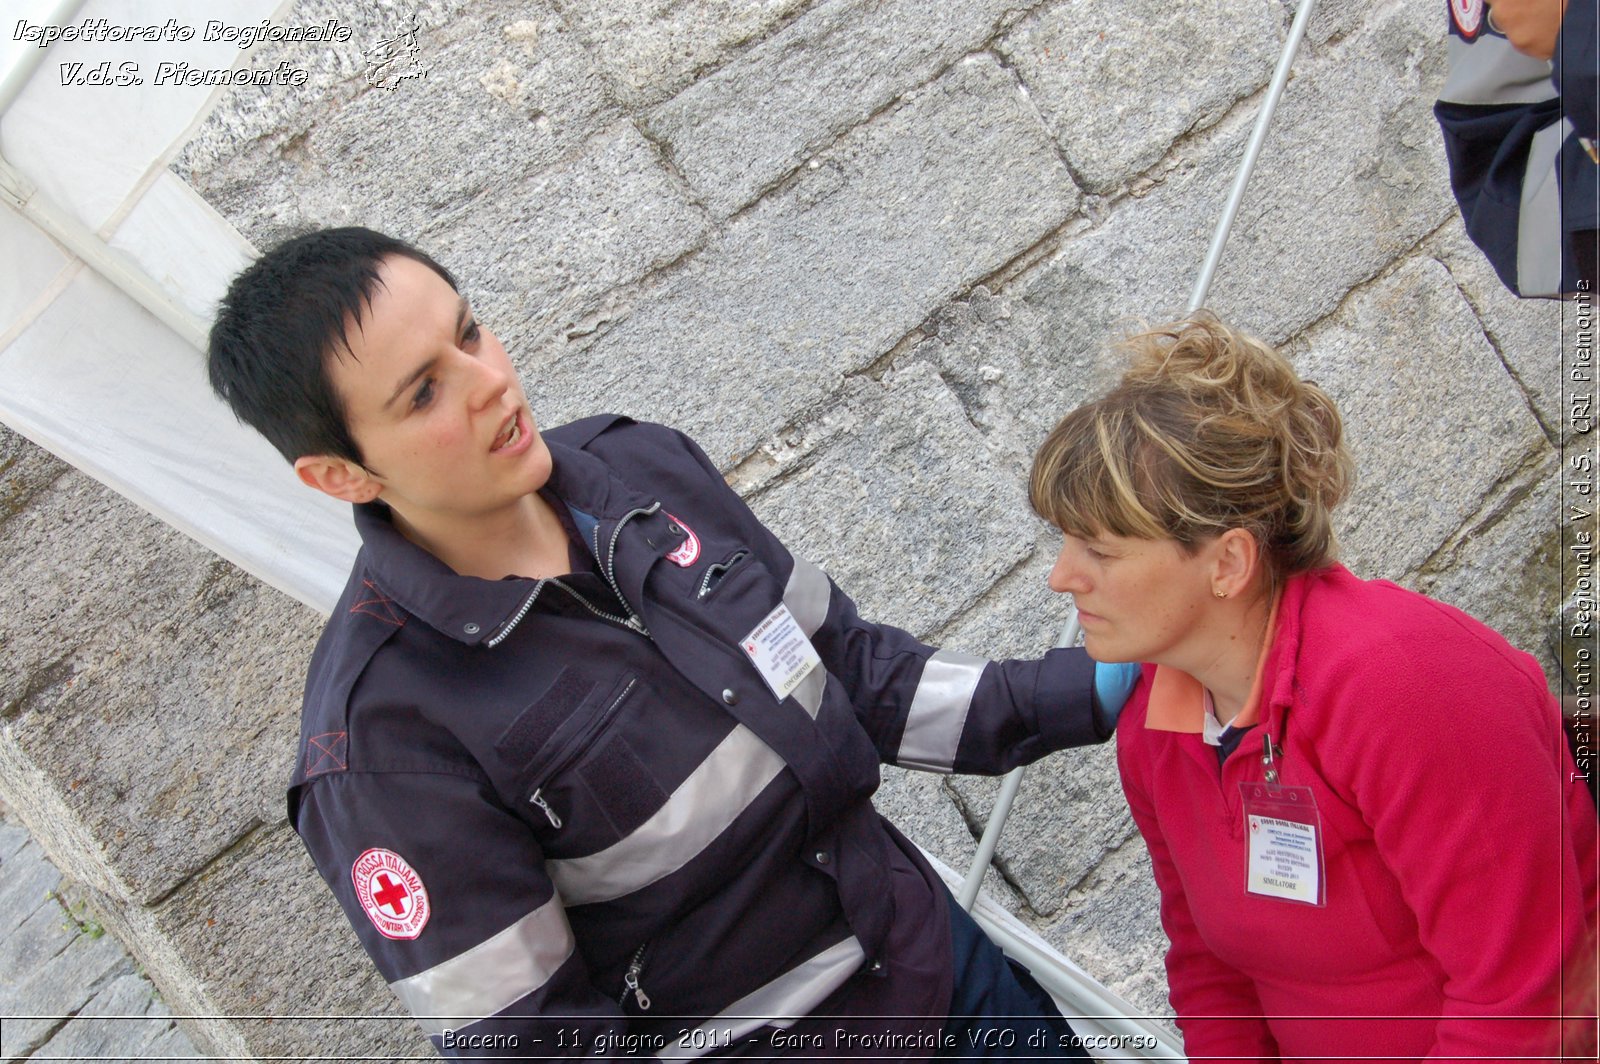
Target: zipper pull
point(538, 800)
point(630, 981)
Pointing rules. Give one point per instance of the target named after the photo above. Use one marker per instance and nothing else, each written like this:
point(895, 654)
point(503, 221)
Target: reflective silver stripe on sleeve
point(939, 710)
point(492, 975)
point(777, 1004)
point(809, 693)
point(807, 595)
point(704, 806)
point(1539, 220)
point(1491, 71)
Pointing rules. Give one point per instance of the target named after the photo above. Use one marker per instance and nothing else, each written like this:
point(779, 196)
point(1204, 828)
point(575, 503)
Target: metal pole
point(23, 195)
point(19, 192)
point(1219, 240)
point(1258, 137)
point(1008, 794)
point(991, 838)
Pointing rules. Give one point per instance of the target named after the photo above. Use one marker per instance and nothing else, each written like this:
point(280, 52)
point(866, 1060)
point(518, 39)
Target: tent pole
point(21, 193)
point(1247, 166)
point(968, 895)
point(1219, 240)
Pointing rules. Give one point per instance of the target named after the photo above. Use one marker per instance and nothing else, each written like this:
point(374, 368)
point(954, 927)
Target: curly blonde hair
point(1208, 430)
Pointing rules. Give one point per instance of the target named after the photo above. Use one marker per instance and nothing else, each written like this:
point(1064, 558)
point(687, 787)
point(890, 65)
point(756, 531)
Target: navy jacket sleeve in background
point(1576, 68)
point(1524, 180)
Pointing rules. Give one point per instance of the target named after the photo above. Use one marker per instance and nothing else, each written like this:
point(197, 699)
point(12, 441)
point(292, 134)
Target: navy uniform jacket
point(1519, 135)
point(569, 815)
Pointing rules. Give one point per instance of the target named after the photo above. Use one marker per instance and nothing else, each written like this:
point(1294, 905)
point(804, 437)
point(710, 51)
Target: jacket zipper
point(550, 814)
point(621, 622)
point(608, 567)
point(719, 570)
point(630, 981)
point(630, 622)
point(516, 618)
point(575, 749)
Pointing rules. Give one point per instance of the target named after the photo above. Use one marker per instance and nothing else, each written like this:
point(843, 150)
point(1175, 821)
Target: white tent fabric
point(86, 371)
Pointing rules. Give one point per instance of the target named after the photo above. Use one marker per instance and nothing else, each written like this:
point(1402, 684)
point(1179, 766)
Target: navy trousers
point(997, 1010)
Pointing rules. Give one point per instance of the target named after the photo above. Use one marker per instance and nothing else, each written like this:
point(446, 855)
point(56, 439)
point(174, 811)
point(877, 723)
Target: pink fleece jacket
point(1459, 852)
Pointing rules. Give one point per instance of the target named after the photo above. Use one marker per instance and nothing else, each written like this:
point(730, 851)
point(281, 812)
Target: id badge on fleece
point(1284, 832)
point(781, 652)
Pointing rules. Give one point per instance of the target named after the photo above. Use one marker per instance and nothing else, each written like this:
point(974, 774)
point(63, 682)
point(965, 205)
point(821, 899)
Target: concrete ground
point(68, 990)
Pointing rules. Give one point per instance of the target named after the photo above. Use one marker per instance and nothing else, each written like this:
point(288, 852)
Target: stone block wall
point(866, 252)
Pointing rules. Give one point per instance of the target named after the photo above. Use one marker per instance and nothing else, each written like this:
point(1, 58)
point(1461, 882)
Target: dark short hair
point(282, 320)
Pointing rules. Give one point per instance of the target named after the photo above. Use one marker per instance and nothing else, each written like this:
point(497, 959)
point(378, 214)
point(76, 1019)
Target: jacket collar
point(589, 486)
point(467, 608)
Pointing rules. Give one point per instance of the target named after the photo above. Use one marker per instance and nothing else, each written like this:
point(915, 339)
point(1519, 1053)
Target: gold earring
point(1219, 592)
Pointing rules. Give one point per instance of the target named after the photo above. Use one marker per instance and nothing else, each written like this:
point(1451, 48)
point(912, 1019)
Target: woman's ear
point(1236, 563)
point(339, 477)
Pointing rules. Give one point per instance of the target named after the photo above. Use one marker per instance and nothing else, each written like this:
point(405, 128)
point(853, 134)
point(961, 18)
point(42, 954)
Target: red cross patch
point(1468, 16)
point(391, 894)
point(686, 552)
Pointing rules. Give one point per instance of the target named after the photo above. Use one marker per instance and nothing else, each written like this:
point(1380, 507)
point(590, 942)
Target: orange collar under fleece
point(1178, 700)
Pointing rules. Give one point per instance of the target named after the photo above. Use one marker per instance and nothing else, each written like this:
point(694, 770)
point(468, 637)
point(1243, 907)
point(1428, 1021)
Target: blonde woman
point(1358, 802)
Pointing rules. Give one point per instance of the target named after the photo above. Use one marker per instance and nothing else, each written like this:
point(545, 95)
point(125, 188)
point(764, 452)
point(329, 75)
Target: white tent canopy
point(93, 217)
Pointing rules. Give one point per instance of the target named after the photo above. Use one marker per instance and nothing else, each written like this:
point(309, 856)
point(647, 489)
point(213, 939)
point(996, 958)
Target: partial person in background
point(1358, 802)
point(1519, 117)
